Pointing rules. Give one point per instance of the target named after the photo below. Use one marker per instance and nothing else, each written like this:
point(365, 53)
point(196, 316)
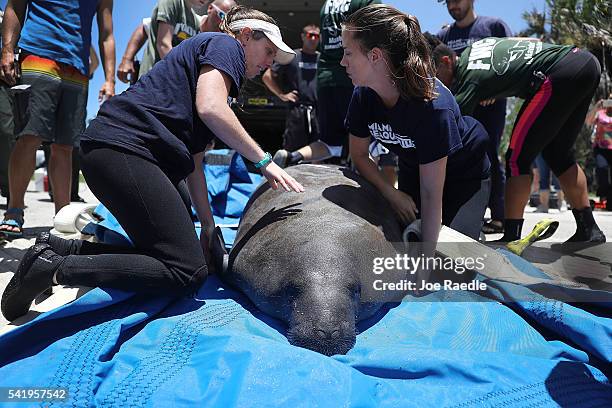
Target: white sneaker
point(562, 206)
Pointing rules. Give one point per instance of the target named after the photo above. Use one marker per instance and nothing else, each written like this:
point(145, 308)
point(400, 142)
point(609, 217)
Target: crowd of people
point(420, 116)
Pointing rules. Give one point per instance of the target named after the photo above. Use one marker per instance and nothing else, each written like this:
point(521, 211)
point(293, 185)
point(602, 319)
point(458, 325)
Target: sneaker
point(59, 245)
point(562, 205)
point(34, 275)
point(77, 199)
point(281, 157)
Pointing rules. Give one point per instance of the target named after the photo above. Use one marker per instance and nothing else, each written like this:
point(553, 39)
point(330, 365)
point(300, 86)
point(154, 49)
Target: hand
point(487, 102)
point(126, 70)
point(276, 176)
point(289, 97)
point(107, 91)
point(206, 237)
point(7, 68)
point(403, 204)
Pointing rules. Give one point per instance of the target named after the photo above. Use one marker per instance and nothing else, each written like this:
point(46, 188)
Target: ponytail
point(405, 48)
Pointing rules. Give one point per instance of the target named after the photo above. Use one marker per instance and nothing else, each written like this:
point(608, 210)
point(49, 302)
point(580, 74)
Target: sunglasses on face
point(312, 35)
point(220, 12)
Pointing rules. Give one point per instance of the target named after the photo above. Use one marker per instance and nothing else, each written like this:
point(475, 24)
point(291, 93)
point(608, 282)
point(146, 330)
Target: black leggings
point(550, 121)
point(167, 256)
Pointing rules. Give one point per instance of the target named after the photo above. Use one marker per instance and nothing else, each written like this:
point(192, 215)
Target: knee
point(188, 279)
point(29, 142)
point(59, 150)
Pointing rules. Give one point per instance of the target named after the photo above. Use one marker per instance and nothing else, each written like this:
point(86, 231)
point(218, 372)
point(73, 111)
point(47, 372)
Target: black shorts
point(301, 127)
point(332, 109)
point(549, 121)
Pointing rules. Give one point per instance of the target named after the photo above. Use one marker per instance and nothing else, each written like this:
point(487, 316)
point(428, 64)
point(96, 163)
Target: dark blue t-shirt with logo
point(156, 118)
point(458, 39)
point(422, 132)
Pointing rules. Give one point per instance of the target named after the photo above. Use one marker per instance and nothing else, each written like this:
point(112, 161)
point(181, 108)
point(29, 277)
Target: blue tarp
point(112, 348)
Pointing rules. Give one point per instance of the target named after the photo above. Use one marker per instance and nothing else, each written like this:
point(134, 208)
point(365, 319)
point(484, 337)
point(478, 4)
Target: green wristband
point(267, 159)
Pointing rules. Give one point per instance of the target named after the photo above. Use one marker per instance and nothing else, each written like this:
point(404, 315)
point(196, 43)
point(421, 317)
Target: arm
point(106, 42)
point(94, 62)
point(401, 202)
point(164, 38)
point(12, 24)
point(211, 102)
point(126, 68)
point(196, 183)
point(269, 79)
point(431, 176)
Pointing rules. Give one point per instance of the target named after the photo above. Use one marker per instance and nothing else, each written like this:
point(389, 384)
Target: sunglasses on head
point(220, 12)
point(312, 35)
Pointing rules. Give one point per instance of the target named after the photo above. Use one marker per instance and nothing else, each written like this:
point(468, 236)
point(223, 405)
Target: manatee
point(307, 259)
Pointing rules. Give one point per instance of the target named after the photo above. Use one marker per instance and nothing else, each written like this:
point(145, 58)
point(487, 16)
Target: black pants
point(549, 122)
point(301, 127)
point(493, 118)
point(167, 256)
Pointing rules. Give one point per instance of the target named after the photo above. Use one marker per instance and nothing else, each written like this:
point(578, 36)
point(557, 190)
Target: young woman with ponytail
point(443, 166)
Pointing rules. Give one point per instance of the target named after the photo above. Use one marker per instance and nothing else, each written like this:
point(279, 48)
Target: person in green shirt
point(557, 83)
point(128, 72)
point(173, 21)
point(334, 87)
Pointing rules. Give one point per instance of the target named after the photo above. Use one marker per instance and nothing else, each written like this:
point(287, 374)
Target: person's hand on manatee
point(403, 204)
point(277, 176)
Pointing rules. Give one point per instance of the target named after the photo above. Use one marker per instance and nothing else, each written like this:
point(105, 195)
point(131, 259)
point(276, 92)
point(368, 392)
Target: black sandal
point(490, 227)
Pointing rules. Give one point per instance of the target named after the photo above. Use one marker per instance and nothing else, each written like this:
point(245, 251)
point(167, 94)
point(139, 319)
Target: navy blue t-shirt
point(458, 39)
point(156, 118)
point(422, 132)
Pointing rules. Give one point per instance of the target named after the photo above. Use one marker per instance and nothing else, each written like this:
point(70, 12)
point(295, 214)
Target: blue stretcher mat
point(114, 348)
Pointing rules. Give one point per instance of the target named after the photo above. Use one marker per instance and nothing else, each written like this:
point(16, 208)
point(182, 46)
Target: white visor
point(285, 54)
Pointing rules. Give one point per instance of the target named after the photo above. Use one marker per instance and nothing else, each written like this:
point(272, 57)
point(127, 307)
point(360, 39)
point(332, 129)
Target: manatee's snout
point(327, 330)
point(325, 338)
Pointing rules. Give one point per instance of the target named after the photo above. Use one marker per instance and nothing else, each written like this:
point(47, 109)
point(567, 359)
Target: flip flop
point(16, 222)
point(542, 230)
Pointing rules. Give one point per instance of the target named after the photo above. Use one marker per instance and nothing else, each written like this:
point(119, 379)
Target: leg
point(6, 137)
point(574, 185)
point(21, 168)
point(333, 105)
point(76, 169)
point(469, 216)
point(493, 118)
point(544, 183)
point(151, 211)
point(156, 220)
point(580, 75)
point(60, 174)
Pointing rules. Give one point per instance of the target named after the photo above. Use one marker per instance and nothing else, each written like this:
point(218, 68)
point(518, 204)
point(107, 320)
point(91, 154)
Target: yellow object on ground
point(542, 230)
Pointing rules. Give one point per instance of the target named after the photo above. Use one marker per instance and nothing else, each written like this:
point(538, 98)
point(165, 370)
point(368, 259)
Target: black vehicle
point(262, 113)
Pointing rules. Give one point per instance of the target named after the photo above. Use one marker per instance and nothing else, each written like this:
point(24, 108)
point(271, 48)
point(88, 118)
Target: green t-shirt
point(178, 14)
point(502, 67)
point(333, 13)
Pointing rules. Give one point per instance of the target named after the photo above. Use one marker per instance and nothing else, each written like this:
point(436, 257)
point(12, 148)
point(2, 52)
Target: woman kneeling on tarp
point(136, 152)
